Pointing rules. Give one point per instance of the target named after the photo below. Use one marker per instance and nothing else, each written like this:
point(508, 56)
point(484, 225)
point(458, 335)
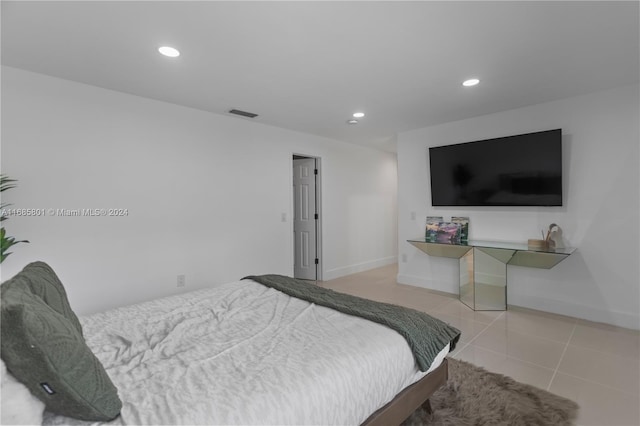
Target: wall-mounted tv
point(520, 170)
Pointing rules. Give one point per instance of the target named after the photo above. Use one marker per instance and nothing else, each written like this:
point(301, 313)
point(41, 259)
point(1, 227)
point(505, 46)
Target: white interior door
point(304, 218)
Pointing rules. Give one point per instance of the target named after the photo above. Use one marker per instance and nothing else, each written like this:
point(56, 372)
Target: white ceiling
point(308, 66)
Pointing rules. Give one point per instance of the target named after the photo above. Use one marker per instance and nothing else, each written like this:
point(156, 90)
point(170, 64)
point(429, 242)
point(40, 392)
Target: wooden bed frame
point(412, 397)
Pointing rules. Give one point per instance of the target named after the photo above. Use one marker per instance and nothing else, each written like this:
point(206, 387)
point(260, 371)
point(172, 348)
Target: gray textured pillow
point(43, 347)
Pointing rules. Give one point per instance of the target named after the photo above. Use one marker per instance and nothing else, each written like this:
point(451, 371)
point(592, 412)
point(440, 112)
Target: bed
point(247, 352)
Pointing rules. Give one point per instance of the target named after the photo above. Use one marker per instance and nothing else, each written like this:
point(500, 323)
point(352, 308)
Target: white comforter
point(242, 353)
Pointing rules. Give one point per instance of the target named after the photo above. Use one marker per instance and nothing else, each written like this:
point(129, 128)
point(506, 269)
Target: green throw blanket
point(426, 335)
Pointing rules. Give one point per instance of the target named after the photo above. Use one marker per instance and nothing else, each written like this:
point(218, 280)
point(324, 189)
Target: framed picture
point(464, 226)
point(443, 232)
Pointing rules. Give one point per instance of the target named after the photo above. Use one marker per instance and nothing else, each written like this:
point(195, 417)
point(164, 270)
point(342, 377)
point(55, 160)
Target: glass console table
point(483, 267)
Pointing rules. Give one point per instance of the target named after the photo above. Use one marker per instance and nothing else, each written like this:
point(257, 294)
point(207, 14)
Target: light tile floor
point(595, 365)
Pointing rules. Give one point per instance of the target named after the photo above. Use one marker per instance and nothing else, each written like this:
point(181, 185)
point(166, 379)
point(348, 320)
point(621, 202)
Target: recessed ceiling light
point(358, 114)
point(169, 51)
point(352, 121)
point(470, 82)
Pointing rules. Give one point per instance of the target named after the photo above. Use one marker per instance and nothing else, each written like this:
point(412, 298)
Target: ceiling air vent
point(243, 113)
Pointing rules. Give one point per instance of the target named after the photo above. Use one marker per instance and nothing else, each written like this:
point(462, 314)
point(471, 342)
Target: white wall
point(600, 216)
point(204, 193)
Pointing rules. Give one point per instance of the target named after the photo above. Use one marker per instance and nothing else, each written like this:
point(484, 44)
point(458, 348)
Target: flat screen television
point(520, 170)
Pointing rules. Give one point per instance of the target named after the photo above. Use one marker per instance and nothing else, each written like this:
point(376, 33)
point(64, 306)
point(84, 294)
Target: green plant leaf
point(6, 183)
point(6, 242)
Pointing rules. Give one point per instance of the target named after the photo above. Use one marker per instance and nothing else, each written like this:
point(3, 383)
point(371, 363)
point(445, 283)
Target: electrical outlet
point(404, 258)
point(413, 215)
point(283, 217)
point(182, 280)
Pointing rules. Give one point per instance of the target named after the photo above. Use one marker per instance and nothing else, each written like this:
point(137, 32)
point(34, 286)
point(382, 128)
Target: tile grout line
point(554, 371)
point(463, 347)
point(514, 358)
point(593, 382)
point(482, 331)
point(566, 346)
point(488, 325)
point(519, 359)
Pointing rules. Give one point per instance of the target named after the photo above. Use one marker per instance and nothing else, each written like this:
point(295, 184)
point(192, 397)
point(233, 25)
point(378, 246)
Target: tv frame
point(560, 203)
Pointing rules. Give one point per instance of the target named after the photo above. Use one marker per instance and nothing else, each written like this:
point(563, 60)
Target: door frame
point(319, 253)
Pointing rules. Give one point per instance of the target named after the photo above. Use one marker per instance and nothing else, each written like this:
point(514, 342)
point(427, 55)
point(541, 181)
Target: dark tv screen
point(520, 170)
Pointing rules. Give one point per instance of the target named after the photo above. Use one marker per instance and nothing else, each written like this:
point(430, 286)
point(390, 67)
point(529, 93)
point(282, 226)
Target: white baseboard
point(621, 319)
point(430, 284)
point(359, 267)
point(590, 313)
